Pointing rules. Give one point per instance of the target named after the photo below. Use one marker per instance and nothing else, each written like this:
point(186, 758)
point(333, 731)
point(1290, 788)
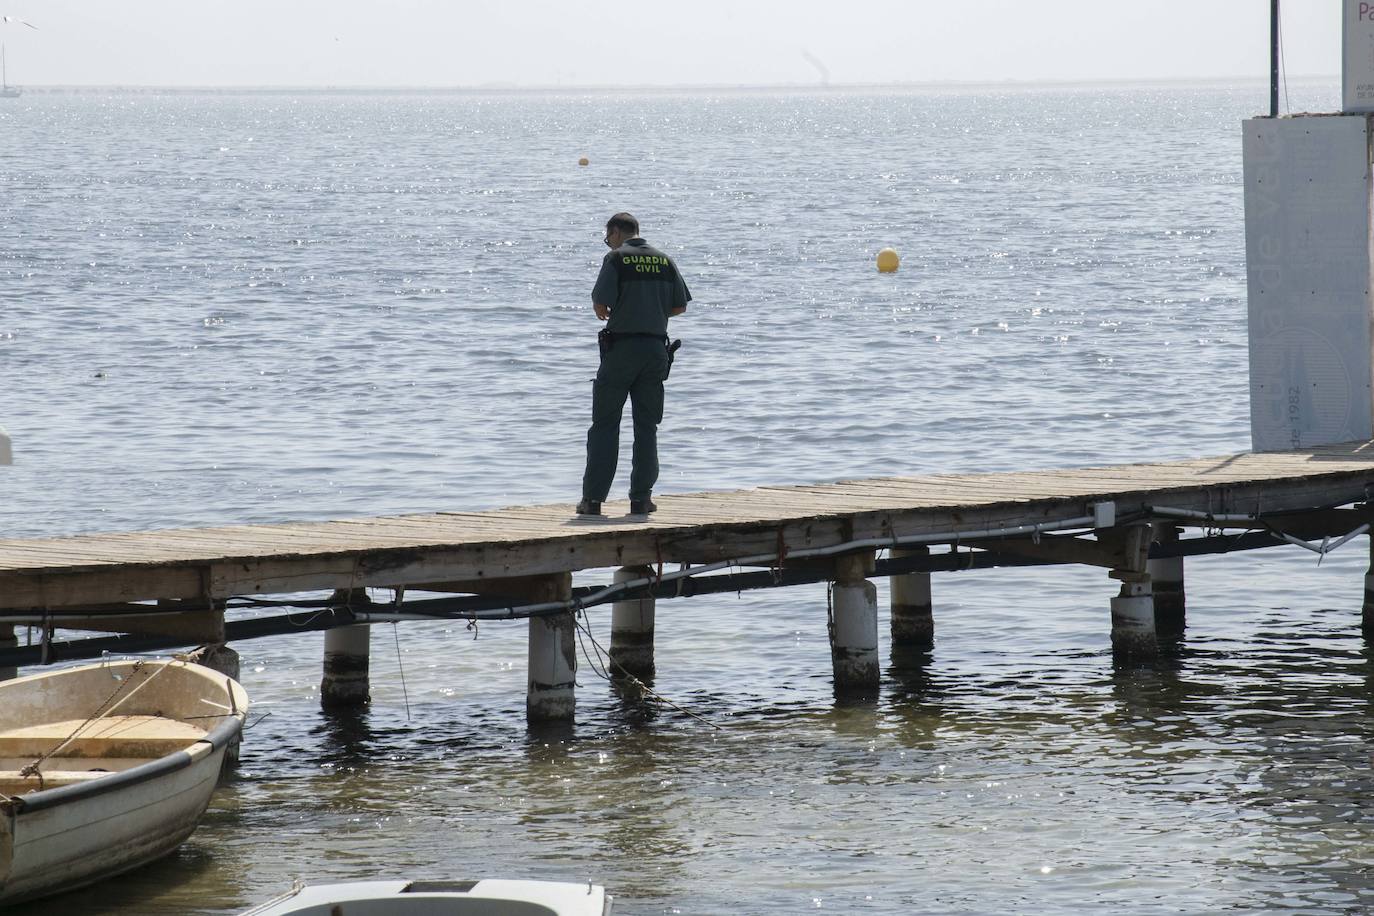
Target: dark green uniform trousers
point(634, 367)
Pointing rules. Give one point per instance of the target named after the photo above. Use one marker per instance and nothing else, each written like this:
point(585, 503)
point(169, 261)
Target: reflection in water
point(151, 889)
point(346, 738)
point(1309, 794)
point(637, 707)
point(910, 673)
point(1230, 773)
point(1080, 253)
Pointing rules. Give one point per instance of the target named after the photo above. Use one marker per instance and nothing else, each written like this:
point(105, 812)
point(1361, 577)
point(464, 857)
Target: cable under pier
point(209, 586)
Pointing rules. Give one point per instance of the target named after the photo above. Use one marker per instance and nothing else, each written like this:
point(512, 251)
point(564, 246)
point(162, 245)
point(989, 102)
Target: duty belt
point(615, 334)
point(605, 339)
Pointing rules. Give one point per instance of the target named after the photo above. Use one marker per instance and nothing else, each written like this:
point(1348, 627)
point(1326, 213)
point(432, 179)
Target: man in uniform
point(636, 292)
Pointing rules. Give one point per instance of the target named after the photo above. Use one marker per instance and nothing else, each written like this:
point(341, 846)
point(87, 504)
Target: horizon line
point(501, 86)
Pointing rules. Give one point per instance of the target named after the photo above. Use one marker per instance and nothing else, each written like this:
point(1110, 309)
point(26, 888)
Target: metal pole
point(1273, 58)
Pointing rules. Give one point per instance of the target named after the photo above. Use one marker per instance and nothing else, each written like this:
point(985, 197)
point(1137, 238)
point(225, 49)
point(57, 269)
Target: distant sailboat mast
point(6, 90)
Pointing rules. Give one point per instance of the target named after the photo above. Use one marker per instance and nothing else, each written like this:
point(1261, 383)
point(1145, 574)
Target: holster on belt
point(672, 352)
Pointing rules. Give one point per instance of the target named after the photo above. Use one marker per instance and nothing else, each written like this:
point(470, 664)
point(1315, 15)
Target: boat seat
point(112, 736)
point(14, 783)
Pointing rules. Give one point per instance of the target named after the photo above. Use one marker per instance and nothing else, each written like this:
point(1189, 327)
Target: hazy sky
point(544, 43)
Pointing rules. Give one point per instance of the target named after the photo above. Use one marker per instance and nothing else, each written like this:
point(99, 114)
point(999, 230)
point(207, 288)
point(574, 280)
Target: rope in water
point(605, 660)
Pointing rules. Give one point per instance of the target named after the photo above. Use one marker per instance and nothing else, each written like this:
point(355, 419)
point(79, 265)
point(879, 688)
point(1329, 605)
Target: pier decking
point(411, 550)
point(1104, 516)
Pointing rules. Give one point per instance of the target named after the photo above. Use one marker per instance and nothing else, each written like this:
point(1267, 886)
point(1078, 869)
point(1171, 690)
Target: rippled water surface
point(239, 308)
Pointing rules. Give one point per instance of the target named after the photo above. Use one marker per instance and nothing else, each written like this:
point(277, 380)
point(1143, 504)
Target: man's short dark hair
point(624, 222)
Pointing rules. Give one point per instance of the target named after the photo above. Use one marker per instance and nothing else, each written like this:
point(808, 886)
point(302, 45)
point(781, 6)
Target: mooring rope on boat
point(101, 712)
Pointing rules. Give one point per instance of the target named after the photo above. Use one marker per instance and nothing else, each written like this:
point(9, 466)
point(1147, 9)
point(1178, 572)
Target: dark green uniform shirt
point(641, 286)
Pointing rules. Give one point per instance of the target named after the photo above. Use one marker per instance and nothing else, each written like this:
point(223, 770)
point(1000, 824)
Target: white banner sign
point(1357, 58)
point(1307, 259)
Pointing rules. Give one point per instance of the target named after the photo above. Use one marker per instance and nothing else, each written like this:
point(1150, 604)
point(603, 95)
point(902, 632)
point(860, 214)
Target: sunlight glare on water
point(224, 309)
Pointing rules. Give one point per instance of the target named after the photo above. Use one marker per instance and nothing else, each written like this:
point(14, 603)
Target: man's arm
point(681, 295)
point(607, 288)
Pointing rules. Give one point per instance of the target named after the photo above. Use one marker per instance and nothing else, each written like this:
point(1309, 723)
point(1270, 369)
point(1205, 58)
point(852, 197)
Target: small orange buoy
point(584, 161)
point(888, 261)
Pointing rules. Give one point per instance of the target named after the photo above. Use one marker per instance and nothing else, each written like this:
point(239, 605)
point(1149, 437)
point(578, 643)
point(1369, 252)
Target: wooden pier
point(175, 585)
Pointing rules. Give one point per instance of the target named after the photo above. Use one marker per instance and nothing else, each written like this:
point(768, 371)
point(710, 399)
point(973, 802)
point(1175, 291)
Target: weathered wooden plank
point(691, 513)
point(19, 557)
point(933, 496)
point(538, 540)
point(964, 487)
point(457, 523)
point(840, 503)
point(100, 586)
point(920, 497)
point(156, 547)
point(521, 522)
point(772, 501)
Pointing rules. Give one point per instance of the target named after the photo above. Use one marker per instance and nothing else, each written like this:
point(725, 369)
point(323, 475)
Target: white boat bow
point(490, 897)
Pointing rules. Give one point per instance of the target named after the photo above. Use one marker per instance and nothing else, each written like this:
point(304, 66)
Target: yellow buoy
point(888, 261)
point(584, 161)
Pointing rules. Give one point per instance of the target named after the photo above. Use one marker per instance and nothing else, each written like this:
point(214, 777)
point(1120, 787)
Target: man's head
point(621, 228)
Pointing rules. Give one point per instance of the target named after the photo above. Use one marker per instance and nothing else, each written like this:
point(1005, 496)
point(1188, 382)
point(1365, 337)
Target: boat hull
point(61, 838)
point(491, 897)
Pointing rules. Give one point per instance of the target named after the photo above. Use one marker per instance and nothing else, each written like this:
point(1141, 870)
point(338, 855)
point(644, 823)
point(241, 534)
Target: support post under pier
point(632, 630)
point(1134, 636)
point(1166, 583)
point(854, 626)
point(219, 657)
point(8, 640)
point(552, 655)
point(1367, 615)
point(913, 624)
point(345, 682)
point(346, 652)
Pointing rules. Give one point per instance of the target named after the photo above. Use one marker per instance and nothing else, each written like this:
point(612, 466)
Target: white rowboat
point(106, 767)
point(441, 898)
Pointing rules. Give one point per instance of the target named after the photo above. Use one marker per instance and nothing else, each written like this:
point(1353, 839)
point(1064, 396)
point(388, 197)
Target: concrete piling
point(913, 624)
point(1367, 614)
point(1166, 583)
point(8, 640)
point(219, 657)
point(552, 656)
point(854, 626)
point(1134, 636)
point(632, 630)
point(346, 655)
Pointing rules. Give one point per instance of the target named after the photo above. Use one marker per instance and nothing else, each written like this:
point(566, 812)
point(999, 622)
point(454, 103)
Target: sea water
point(242, 308)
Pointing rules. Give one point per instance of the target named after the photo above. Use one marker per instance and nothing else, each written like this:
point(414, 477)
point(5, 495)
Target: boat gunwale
point(218, 738)
point(51, 798)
